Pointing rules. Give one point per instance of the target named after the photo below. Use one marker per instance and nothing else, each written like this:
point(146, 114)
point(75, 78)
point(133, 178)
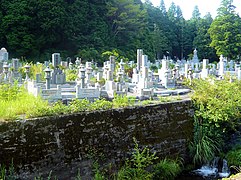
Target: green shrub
point(77, 105)
point(135, 168)
point(101, 104)
point(130, 173)
point(209, 97)
point(234, 157)
point(217, 113)
point(101, 81)
point(120, 101)
point(59, 108)
point(71, 74)
point(203, 148)
point(166, 169)
point(9, 92)
point(98, 174)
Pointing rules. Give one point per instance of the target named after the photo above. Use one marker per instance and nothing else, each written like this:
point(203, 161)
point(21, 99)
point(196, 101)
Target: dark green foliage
point(204, 148)
point(135, 168)
point(34, 29)
point(225, 31)
point(166, 169)
point(234, 157)
point(7, 174)
point(203, 40)
point(214, 120)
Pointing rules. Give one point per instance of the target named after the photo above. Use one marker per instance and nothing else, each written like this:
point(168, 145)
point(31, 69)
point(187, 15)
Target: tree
point(226, 7)
point(202, 40)
point(162, 7)
point(87, 23)
point(15, 26)
point(225, 31)
point(196, 14)
point(2, 41)
point(176, 26)
point(160, 42)
point(127, 20)
point(125, 16)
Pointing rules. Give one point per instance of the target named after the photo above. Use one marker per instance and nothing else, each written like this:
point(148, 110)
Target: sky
point(204, 6)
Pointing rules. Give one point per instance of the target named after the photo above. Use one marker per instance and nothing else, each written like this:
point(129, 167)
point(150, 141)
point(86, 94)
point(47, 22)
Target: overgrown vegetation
point(234, 157)
point(17, 103)
point(217, 116)
point(167, 169)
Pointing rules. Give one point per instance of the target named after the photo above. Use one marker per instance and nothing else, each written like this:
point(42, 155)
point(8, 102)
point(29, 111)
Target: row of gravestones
point(142, 83)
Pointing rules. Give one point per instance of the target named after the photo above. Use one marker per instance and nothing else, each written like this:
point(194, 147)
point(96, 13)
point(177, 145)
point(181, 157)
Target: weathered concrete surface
point(58, 141)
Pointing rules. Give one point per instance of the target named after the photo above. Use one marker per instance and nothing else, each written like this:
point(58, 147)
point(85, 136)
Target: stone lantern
point(77, 61)
point(71, 65)
point(27, 70)
point(174, 73)
point(5, 71)
point(82, 76)
point(47, 77)
point(190, 75)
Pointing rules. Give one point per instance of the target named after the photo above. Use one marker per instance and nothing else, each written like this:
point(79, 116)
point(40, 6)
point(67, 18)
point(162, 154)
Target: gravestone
point(1, 67)
point(56, 59)
point(205, 70)
point(195, 57)
point(139, 59)
point(221, 66)
point(3, 55)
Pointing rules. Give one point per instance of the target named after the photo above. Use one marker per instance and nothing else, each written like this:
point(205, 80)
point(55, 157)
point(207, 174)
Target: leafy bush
point(135, 168)
point(166, 169)
point(101, 81)
point(123, 101)
point(9, 92)
point(203, 148)
point(209, 97)
point(120, 101)
point(217, 113)
point(129, 173)
point(77, 105)
point(101, 104)
point(71, 74)
point(234, 157)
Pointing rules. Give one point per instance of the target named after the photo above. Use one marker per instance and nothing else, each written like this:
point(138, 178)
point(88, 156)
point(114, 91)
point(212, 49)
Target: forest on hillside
point(34, 29)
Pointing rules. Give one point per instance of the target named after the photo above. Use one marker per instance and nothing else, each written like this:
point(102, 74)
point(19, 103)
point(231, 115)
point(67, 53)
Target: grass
point(167, 169)
point(17, 103)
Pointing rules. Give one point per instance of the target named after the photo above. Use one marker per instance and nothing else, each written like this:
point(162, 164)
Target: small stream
point(213, 171)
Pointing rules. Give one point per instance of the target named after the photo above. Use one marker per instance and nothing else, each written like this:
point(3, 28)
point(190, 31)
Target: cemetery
point(119, 90)
point(144, 83)
point(91, 85)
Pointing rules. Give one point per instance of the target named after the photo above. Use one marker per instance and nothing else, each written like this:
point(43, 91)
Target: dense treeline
point(34, 29)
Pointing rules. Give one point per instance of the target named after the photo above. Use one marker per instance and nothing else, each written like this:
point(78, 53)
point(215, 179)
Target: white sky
point(204, 6)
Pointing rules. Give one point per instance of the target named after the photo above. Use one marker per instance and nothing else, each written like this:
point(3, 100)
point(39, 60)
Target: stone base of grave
point(89, 93)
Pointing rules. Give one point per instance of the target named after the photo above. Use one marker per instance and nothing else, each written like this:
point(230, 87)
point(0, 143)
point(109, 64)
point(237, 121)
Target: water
point(212, 171)
point(208, 172)
point(225, 171)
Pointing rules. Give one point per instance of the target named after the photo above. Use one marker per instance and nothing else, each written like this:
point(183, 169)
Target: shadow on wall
point(55, 142)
